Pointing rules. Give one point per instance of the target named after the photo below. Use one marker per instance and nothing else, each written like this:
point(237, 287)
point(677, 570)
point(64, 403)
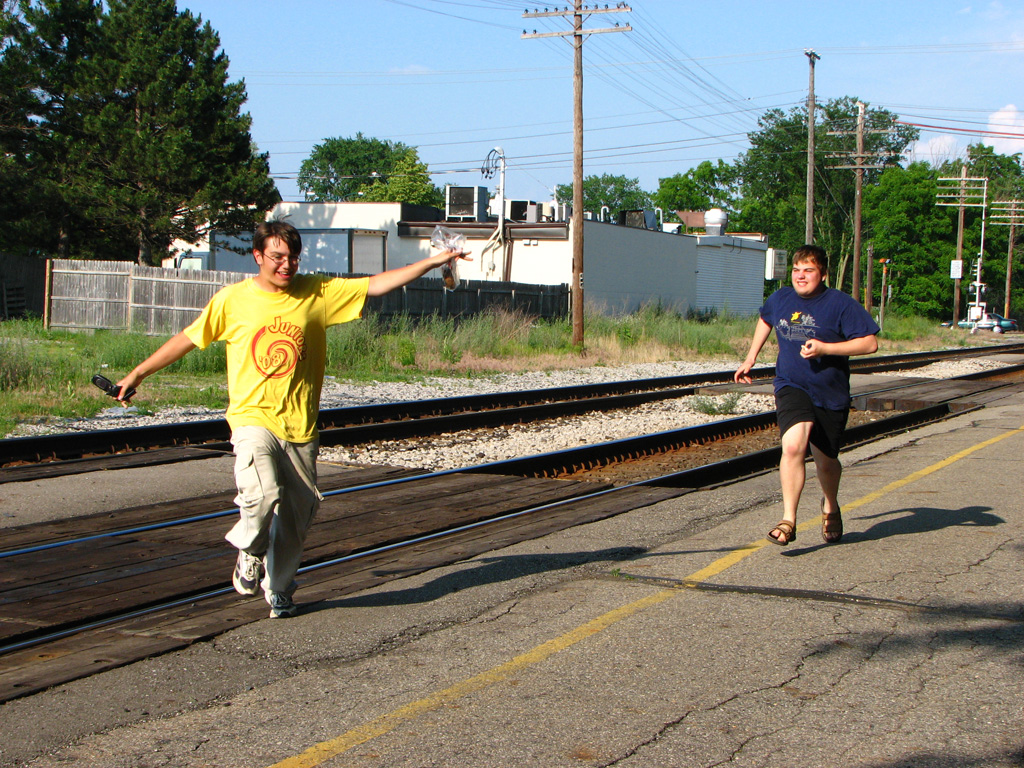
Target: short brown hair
point(283, 231)
point(813, 253)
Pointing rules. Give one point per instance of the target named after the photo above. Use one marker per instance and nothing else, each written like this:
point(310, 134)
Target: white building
point(625, 267)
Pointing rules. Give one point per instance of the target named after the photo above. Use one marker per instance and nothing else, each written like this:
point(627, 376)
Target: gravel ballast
point(480, 446)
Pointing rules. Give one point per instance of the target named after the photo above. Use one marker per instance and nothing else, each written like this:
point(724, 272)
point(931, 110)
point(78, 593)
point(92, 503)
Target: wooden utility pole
point(1008, 213)
point(857, 198)
point(859, 166)
point(959, 249)
point(1009, 265)
point(576, 225)
point(809, 216)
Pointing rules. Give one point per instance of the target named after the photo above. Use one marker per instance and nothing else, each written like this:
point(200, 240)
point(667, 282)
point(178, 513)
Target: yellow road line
point(325, 750)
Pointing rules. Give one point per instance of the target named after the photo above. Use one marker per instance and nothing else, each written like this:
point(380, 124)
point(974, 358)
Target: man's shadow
point(911, 520)
point(486, 570)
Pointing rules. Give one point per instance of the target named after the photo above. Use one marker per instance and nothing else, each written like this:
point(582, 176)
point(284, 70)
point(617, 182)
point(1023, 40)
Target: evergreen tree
point(138, 135)
point(42, 46)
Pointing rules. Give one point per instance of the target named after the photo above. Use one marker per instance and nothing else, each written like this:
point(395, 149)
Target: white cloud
point(1007, 120)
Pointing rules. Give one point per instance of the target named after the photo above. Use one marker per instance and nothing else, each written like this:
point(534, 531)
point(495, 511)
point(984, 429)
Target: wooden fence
point(119, 295)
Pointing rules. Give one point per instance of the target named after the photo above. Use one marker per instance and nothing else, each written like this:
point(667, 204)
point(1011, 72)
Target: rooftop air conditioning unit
point(465, 203)
point(637, 219)
point(517, 210)
point(555, 211)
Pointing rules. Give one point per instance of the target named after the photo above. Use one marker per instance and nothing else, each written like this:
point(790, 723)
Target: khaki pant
point(277, 498)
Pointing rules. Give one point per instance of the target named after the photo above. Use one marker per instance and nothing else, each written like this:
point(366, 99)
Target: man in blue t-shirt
point(817, 329)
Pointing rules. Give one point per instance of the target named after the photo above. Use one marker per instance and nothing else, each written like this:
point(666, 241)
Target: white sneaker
point(248, 572)
point(281, 605)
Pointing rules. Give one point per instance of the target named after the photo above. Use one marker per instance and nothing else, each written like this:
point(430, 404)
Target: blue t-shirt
point(830, 316)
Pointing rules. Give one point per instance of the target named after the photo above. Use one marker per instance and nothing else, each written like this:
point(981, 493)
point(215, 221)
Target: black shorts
point(793, 406)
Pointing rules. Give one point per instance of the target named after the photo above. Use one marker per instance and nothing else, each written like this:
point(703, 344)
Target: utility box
point(775, 262)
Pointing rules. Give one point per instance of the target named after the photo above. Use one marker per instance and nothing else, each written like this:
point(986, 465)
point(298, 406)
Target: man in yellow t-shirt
point(274, 326)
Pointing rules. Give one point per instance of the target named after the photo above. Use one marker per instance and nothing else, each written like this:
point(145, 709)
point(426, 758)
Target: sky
point(686, 83)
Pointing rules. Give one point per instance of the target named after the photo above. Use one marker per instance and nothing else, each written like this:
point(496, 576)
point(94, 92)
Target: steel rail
point(538, 464)
point(560, 462)
point(360, 423)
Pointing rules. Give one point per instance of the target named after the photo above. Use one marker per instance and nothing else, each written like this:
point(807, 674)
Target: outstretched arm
point(171, 351)
point(761, 334)
point(386, 282)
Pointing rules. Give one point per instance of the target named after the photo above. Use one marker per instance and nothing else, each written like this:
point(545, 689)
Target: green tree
point(619, 193)
point(917, 235)
point(42, 45)
point(409, 182)
point(772, 175)
point(706, 186)
point(137, 133)
point(365, 168)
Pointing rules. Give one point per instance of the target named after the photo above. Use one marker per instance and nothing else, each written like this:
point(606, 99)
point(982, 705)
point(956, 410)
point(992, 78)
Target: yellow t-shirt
point(277, 348)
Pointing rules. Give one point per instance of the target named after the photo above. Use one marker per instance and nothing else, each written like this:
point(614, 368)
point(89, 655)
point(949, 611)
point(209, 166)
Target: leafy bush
point(721, 405)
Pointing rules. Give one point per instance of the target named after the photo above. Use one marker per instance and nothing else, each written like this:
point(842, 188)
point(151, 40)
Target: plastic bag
point(445, 240)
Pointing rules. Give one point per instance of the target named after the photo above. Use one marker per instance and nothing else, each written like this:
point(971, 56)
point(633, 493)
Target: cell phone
point(110, 387)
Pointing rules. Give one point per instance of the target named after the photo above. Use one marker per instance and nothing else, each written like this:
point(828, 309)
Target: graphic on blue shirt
point(800, 327)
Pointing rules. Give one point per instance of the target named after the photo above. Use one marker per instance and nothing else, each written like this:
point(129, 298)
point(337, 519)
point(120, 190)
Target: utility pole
point(858, 196)
point(809, 216)
point(963, 192)
point(1011, 213)
point(578, 11)
point(859, 167)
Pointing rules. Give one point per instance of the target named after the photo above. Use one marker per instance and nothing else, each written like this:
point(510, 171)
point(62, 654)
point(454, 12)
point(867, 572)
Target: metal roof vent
point(715, 221)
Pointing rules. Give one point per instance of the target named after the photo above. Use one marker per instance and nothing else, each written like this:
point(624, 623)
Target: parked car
point(998, 323)
point(990, 321)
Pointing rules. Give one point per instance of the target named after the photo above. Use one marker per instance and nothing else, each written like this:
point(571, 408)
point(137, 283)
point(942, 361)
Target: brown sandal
point(786, 529)
point(831, 525)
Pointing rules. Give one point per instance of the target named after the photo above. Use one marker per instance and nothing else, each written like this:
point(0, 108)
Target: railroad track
point(79, 451)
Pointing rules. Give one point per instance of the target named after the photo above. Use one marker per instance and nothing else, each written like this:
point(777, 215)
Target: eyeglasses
point(279, 260)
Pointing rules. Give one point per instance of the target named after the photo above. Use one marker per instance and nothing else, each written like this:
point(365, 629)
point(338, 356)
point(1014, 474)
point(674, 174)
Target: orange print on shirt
point(278, 348)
